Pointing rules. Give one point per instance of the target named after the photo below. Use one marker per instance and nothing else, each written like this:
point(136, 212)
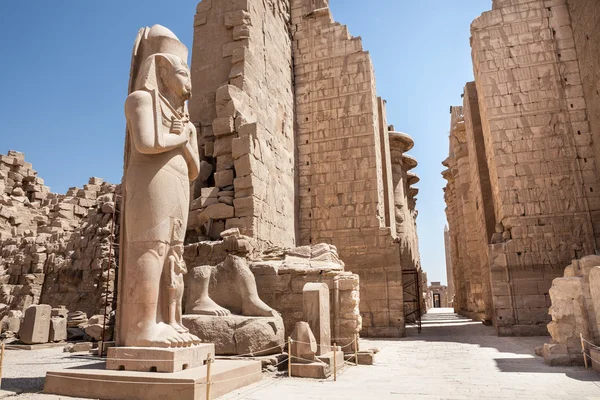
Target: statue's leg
point(252, 305)
point(204, 305)
point(140, 298)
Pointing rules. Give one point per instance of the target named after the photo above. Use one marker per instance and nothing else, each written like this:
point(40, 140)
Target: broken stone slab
point(78, 347)
point(239, 335)
point(76, 318)
point(303, 346)
point(230, 232)
point(36, 324)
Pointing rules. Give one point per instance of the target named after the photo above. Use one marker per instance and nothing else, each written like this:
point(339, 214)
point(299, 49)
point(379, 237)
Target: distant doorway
point(436, 301)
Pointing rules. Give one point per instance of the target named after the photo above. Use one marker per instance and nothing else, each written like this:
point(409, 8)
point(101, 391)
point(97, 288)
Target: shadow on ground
point(446, 326)
point(20, 385)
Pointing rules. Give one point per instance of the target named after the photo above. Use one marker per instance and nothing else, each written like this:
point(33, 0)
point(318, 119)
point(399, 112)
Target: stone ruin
point(294, 176)
point(54, 248)
point(522, 171)
point(300, 180)
point(575, 313)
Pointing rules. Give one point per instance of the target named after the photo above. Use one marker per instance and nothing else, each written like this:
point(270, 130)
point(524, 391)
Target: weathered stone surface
point(315, 300)
point(36, 324)
point(219, 211)
point(224, 178)
point(304, 345)
point(205, 171)
point(239, 335)
point(156, 194)
point(14, 324)
point(78, 347)
point(506, 191)
point(144, 359)
point(58, 329)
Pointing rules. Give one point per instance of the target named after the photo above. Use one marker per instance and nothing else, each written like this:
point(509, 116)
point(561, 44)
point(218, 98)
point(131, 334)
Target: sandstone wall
point(54, 248)
point(575, 312)
point(243, 104)
point(538, 147)
point(585, 22)
point(482, 223)
point(340, 164)
point(449, 267)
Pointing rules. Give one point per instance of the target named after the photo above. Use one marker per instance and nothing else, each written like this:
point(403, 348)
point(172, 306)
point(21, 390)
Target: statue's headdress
point(149, 42)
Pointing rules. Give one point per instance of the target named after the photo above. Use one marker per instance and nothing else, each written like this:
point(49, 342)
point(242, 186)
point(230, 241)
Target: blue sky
point(65, 68)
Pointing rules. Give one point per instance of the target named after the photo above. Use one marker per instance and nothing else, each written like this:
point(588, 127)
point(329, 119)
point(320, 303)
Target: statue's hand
point(177, 126)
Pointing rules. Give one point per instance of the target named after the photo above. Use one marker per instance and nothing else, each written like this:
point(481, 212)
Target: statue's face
point(177, 78)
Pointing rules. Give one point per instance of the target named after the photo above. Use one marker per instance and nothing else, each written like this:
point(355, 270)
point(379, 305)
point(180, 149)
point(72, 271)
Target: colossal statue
point(161, 158)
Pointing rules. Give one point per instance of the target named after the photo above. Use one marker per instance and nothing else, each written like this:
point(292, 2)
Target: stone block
point(366, 357)
point(223, 126)
point(244, 207)
point(219, 211)
point(36, 324)
point(209, 192)
point(146, 359)
point(303, 347)
point(189, 384)
point(58, 329)
point(60, 311)
point(222, 146)
point(315, 300)
point(224, 178)
point(239, 335)
point(14, 324)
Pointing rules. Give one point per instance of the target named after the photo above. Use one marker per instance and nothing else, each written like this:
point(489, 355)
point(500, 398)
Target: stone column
point(399, 144)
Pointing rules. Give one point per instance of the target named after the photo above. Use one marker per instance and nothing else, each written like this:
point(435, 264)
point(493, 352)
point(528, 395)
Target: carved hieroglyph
point(161, 158)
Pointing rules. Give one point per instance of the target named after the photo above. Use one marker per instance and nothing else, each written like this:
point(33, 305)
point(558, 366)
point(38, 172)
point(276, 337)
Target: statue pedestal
point(151, 359)
point(96, 382)
point(239, 335)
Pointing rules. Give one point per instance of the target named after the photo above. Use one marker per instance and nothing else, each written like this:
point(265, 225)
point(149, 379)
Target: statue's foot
point(188, 338)
point(207, 306)
point(179, 327)
point(164, 336)
point(192, 339)
point(253, 306)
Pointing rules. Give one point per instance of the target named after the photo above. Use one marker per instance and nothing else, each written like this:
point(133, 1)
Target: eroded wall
point(243, 104)
point(539, 153)
point(585, 23)
point(54, 248)
point(340, 164)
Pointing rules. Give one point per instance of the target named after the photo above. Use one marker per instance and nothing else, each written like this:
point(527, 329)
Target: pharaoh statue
point(161, 159)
